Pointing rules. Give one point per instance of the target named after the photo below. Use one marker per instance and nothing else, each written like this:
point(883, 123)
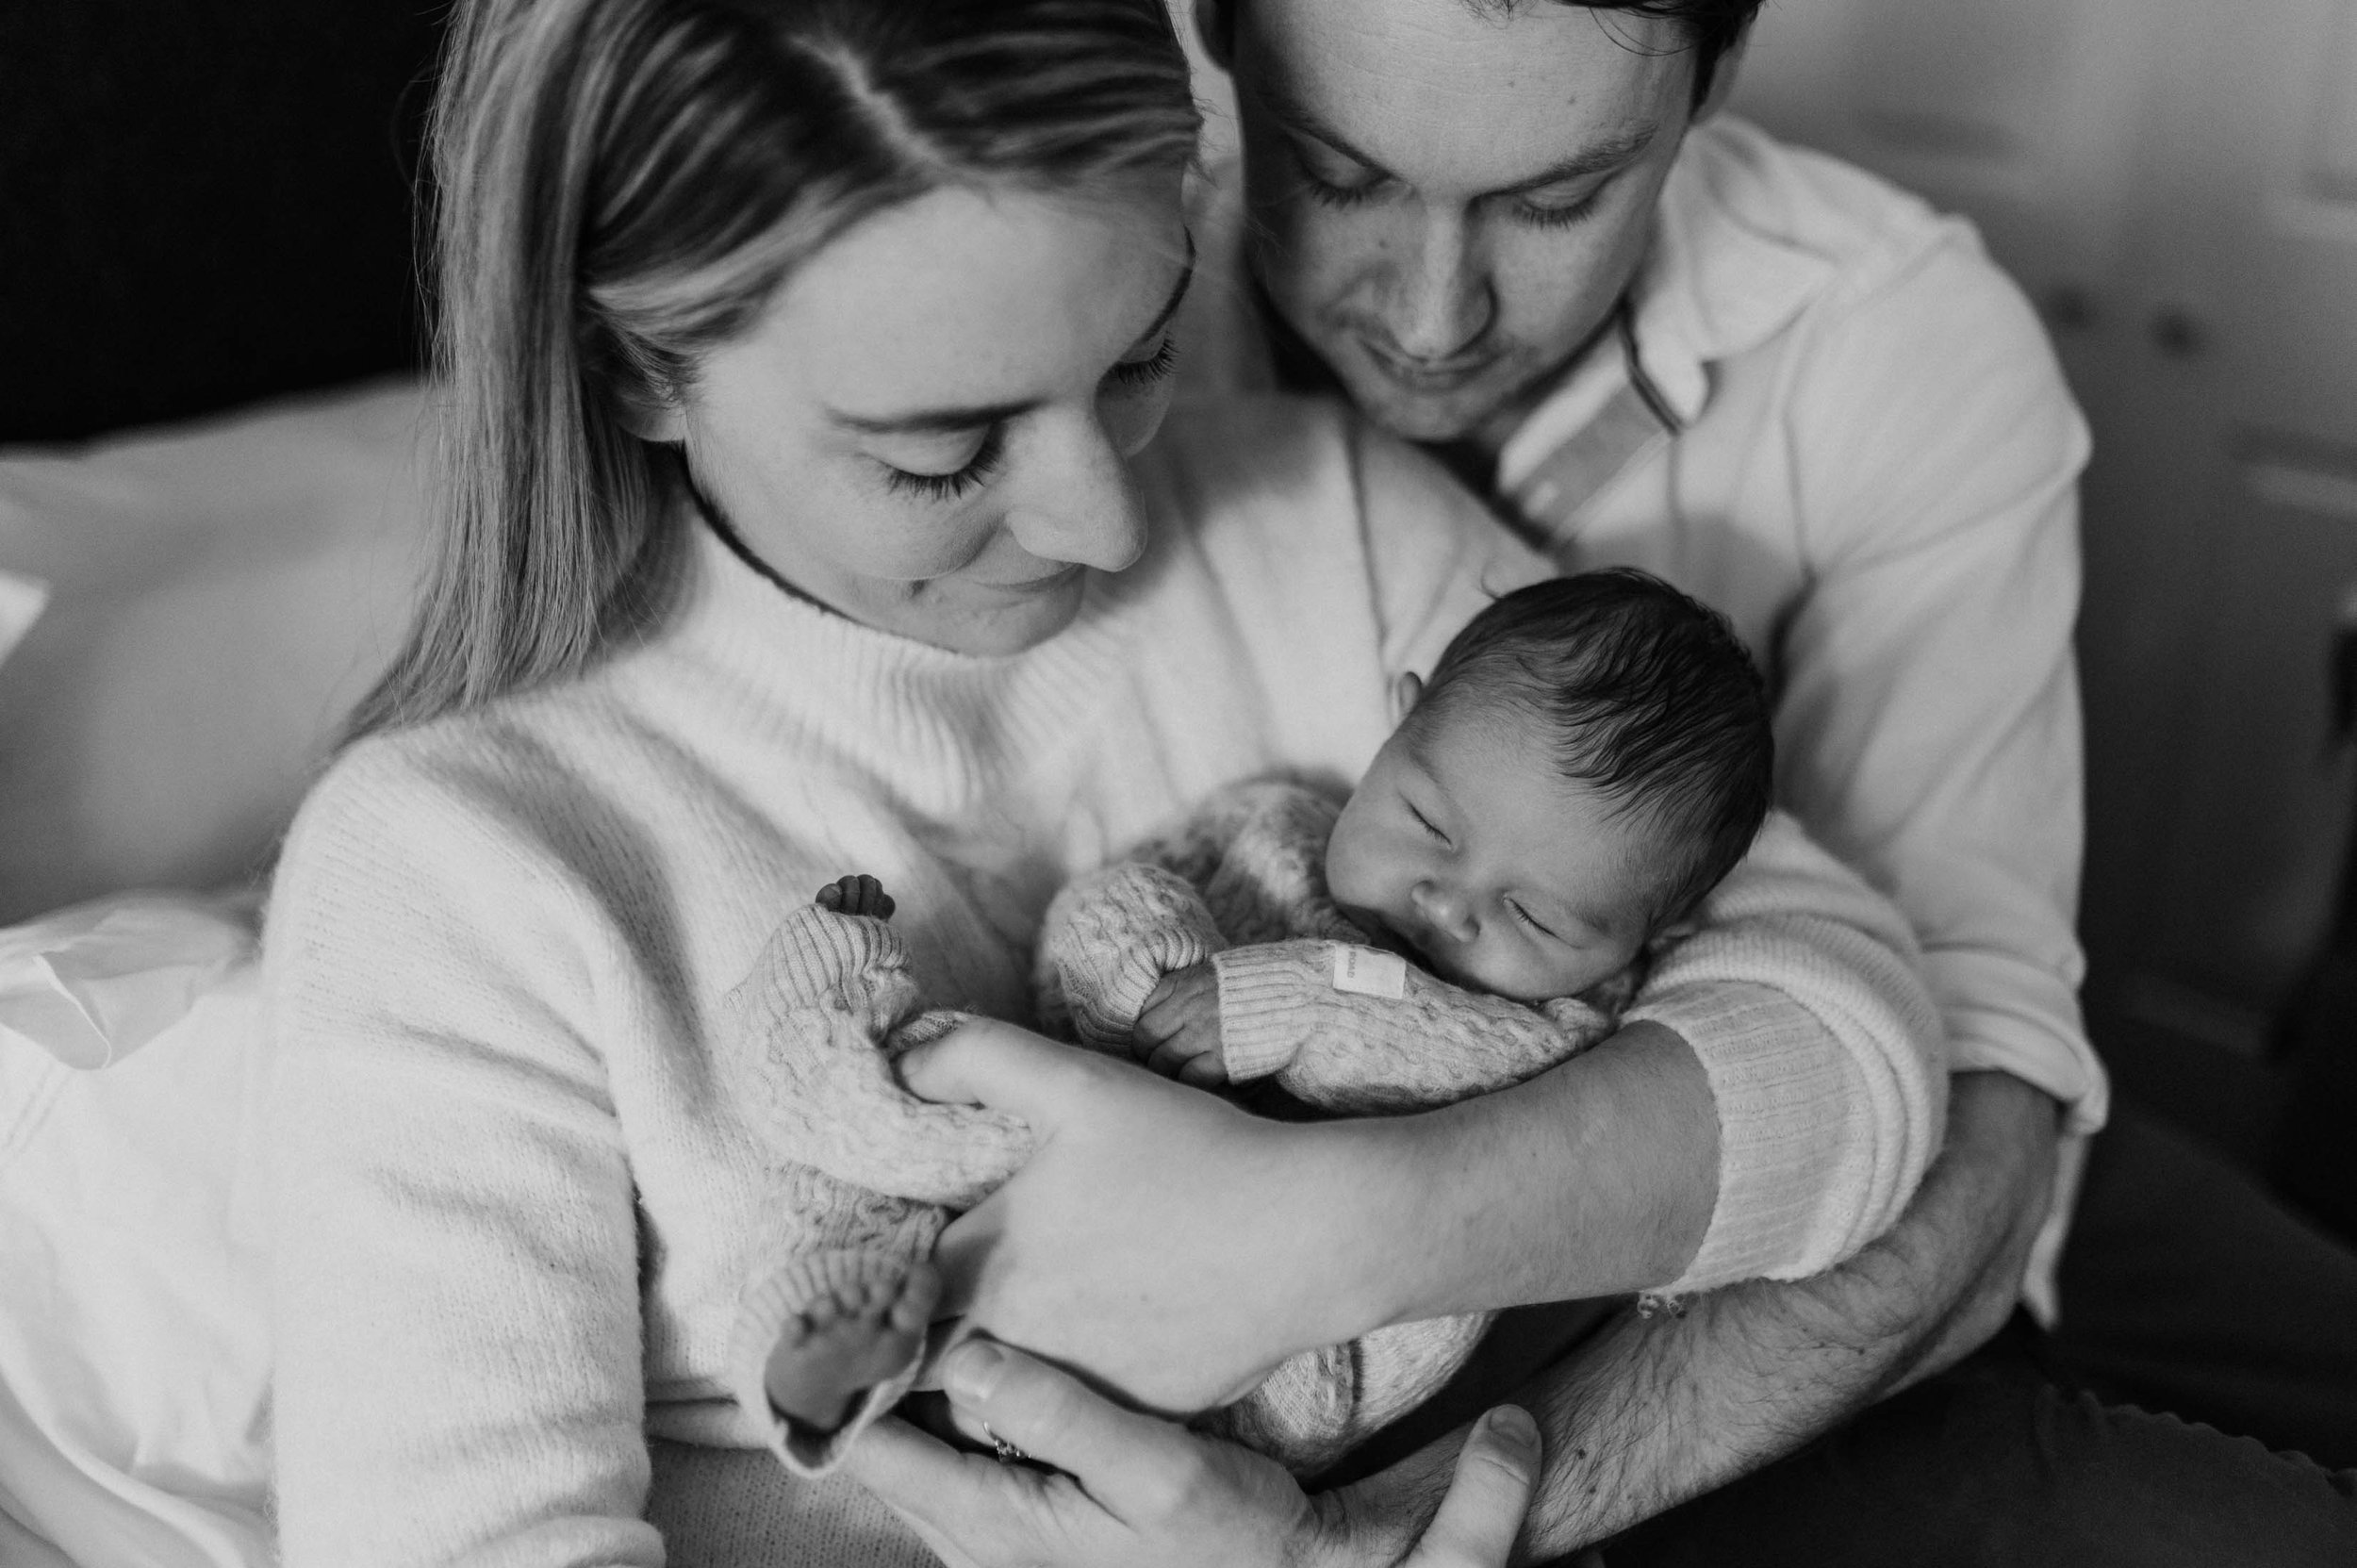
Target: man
point(1516, 232)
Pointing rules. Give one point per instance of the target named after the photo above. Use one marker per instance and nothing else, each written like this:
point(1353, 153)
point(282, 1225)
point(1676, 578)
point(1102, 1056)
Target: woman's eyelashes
point(1128, 376)
point(948, 487)
point(1144, 372)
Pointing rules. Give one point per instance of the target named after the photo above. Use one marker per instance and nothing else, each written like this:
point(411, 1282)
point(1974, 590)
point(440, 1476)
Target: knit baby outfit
point(829, 1007)
point(527, 1161)
point(1304, 1002)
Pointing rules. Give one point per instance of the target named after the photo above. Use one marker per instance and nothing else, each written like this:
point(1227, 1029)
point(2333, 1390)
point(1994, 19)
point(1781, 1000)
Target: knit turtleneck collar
point(944, 728)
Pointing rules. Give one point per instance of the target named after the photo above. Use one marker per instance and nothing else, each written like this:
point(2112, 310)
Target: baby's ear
point(1407, 690)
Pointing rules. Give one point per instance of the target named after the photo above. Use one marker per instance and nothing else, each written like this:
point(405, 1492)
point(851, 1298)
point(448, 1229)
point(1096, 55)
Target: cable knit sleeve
point(1283, 1014)
point(1825, 1054)
point(456, 1271)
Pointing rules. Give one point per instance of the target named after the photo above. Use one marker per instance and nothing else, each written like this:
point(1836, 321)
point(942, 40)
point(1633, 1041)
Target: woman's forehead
point(971, 295)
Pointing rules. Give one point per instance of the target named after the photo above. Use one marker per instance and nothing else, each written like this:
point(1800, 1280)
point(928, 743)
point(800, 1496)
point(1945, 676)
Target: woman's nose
point(1439, 301)
point(1081, 506)
point(1445, 910)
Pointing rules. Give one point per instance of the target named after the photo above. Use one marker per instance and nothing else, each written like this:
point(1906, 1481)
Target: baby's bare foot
point(859, 894)
point(866, 1326)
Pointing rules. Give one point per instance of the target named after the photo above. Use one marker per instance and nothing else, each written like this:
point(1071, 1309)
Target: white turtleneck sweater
point(520, 1187)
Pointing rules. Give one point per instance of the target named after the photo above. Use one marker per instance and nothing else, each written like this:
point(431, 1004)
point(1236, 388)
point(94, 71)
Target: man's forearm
point(1658, 1410)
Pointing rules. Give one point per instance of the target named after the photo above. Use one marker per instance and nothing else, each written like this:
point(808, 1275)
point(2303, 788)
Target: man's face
point(1447, 204)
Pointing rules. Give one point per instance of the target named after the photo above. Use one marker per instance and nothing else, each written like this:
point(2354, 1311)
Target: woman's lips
point(1037, 584)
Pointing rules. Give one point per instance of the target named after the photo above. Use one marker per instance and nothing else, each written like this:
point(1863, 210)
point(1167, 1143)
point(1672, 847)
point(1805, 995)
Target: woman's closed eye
point(978, 467)
point(1133, 373)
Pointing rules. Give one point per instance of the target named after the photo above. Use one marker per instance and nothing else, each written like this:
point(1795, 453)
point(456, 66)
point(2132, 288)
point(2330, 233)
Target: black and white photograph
point(1177, 784)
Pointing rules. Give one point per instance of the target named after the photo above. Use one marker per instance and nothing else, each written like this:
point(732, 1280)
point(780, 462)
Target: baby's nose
point(1445, 911)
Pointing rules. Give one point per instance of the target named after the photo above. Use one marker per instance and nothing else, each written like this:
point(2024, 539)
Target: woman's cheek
point(1132, 421)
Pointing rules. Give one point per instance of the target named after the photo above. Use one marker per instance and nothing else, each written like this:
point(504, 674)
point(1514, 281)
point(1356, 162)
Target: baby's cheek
point(1350, 870)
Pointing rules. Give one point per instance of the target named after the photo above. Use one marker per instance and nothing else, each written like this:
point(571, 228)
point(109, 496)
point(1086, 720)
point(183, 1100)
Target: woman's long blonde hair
point(619, 184)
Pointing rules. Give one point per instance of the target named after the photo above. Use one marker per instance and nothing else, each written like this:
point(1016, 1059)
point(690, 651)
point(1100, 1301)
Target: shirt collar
point(1720, 277)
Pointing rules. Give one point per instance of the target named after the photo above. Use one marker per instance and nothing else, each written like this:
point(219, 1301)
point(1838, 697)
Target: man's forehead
point(1485, 98)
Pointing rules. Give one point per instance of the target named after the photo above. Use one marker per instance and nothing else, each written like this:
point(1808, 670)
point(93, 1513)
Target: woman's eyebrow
point(948, 422)
point(934, 421)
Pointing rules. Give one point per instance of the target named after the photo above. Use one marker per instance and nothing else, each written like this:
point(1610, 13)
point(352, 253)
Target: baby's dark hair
point(1654, 703)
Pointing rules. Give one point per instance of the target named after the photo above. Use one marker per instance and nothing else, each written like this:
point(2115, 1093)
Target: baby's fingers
point(1186, 1056)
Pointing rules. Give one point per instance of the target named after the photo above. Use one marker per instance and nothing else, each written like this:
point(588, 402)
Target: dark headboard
point(203, 203)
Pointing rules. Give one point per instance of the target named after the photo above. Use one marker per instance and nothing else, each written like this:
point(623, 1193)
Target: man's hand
point(1659, 1410)
point(1142, 1492)
point(856, 894)
point(1176, 1034)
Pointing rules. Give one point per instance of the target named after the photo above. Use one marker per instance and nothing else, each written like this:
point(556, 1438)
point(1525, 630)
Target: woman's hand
point(1142, 1492)
point(1159, 1239)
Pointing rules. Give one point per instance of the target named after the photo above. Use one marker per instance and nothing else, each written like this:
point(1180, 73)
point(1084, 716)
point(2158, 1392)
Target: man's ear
point(1407, 691)
point(1216, 25)
point(1723, 75)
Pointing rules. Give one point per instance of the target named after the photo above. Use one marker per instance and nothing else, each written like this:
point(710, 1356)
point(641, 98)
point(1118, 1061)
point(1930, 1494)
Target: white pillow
point(21, 601)
point(91, 984)
point(133, 1334)
point(218, 595)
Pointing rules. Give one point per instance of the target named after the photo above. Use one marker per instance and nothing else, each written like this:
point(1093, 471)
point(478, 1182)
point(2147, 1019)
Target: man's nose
point(1445, 910)
point(1440, 298)
point(1081, 506)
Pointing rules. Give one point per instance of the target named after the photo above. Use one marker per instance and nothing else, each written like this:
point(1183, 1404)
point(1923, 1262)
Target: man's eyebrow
point(1608, 154)
point(947, 422)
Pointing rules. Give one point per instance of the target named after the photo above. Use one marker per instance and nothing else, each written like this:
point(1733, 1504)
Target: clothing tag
point(1370, 972)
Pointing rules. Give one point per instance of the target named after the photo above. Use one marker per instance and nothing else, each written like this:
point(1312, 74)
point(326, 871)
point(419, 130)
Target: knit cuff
point(763, 1314)
point(1777, 1089)
point(1112, 936)
point(821, 948)
point(1268, 1001)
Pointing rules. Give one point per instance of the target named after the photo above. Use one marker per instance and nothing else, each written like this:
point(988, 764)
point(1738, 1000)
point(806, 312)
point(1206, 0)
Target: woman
point(801, 362)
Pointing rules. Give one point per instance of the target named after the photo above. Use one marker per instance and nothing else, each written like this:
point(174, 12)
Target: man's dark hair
point(1654, 704)
point(1713, 24)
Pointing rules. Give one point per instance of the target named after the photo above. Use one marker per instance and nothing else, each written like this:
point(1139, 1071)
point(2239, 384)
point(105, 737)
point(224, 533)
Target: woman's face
point(927, 428)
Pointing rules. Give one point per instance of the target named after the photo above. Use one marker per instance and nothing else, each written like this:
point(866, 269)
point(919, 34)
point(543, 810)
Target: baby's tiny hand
point(1177, 1032)
point(859, 895)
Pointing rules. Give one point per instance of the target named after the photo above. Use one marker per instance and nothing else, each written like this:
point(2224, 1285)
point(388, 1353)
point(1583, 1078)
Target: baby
point(1591, 757)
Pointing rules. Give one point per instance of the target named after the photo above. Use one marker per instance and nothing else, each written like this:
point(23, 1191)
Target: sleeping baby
point(1591, 757)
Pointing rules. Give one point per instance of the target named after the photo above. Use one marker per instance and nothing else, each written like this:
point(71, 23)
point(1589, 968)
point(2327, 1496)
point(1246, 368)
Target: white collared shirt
point(1874, 476)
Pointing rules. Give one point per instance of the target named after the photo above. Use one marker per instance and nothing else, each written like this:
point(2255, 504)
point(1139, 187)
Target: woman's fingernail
point(1513, 1426)
point(973, 1369)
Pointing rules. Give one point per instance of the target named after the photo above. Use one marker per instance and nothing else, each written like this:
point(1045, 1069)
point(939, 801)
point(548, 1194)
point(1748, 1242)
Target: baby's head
point(1591, 756)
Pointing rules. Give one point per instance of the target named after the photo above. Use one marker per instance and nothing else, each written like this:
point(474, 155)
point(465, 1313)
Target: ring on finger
point(1005, 1452)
